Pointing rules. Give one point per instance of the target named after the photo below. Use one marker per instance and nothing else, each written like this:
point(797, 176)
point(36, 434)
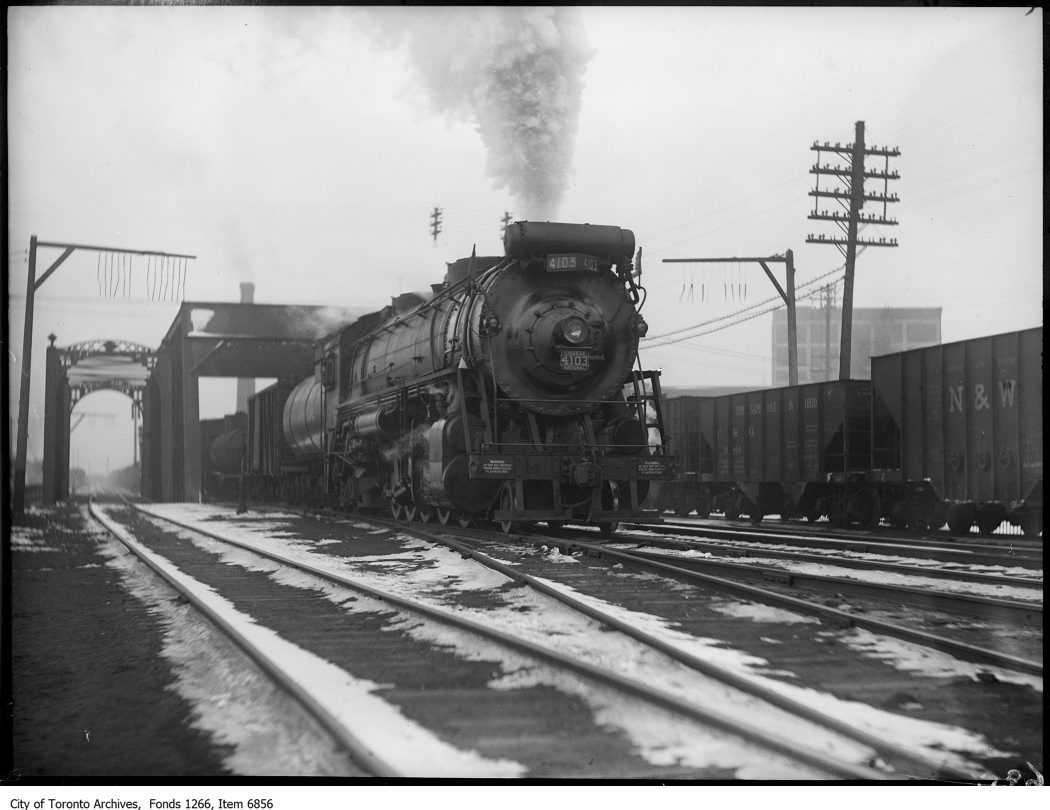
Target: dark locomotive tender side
point(511, 393)
point(945, 434)
point(222, 451)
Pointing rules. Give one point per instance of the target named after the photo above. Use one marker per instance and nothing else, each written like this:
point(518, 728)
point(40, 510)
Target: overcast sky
point(304, 149)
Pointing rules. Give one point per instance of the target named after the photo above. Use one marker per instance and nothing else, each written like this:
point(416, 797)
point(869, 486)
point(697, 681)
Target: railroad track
point(987, 608)
point(762, 550)
point(1004, 540)
point(905, 759)
point(726, 577)
point(1030, 557)
point(1024, 609)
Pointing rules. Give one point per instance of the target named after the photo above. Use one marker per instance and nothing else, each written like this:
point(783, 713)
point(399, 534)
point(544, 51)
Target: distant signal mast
point(435, 222)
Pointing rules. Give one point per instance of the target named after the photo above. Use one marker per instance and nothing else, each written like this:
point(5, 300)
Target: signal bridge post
point(788, 259)
point(32, 285)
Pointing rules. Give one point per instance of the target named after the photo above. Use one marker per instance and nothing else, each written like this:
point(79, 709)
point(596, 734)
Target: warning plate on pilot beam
point(571, 262)
point(575, 360)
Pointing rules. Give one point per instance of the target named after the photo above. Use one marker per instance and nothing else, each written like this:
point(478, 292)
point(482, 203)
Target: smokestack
point(245, 387)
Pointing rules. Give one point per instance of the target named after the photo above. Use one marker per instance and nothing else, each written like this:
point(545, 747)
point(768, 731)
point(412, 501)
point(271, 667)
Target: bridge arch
point(73, 372)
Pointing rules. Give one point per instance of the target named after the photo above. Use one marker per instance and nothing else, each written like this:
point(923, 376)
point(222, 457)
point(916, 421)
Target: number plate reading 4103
point(569, 262)
point(575, 360)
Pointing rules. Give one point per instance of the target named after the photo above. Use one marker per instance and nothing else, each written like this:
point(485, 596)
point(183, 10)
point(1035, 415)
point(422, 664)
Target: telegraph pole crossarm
point(788, 259)
point(852, 200)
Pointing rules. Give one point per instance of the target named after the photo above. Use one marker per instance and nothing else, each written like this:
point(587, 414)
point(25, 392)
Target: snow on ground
point(550, 624)
point(567, 631)
point(909, 657)
point(381, 726)
point(552, 554)
point(235, 704)
point(1008, 592)
point(909, 731)
point(25, 538)
point(874, 556)
point(759, 612)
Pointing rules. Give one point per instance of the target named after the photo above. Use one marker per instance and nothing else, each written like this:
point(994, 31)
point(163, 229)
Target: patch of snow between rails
point(909, 657)
point(577, 635)
point(381, 726)
point(760, 613)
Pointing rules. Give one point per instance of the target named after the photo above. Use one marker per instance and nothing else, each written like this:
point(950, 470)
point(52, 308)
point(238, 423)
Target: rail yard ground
point(116, 678)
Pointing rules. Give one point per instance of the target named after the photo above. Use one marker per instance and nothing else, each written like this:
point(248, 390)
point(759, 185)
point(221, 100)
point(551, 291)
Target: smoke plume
point(517, 73)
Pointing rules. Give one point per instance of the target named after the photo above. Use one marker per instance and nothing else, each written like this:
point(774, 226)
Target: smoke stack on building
point(245, 387)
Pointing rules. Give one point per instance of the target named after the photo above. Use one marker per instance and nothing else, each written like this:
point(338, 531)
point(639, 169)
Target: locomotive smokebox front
point(557, 328)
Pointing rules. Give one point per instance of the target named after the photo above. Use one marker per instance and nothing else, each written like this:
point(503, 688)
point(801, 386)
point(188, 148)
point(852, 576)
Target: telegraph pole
point(788, 259)
point(503, 224)
point(852, 199)
point(435, 222)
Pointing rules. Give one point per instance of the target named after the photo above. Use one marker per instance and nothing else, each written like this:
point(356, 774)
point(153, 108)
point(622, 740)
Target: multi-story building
point(875, 332)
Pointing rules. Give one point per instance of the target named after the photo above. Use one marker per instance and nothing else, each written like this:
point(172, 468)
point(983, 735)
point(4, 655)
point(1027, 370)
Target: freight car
point(511, 392)
point(946, 434)
point(957, 433)
point(796, 450)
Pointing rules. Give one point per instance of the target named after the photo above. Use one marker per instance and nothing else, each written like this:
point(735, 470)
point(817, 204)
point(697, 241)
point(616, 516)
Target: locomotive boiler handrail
point(421, 309)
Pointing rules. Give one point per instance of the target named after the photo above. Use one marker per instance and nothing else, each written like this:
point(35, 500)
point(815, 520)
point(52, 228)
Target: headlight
point(575, 330)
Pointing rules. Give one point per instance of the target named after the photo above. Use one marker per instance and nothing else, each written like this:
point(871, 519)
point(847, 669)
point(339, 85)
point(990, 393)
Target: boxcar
point(958, 433)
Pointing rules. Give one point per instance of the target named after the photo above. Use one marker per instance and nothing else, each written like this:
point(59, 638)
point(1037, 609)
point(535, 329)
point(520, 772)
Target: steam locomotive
point(511, 393)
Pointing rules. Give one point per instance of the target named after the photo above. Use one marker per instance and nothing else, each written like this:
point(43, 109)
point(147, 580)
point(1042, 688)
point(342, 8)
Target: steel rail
point(922, 597)
point(665, 700)
point(844, 562)
point(982, 606)
point(932, 550)
point(883, 534)
point(358, 750)
point(963, 651)
point(886, 748)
